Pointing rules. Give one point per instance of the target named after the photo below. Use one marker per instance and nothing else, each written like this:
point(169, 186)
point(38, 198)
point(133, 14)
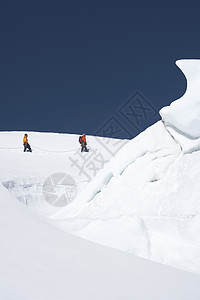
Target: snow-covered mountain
point(144, 201)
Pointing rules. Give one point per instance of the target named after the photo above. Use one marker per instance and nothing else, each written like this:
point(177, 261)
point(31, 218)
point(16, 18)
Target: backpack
point(80, 139)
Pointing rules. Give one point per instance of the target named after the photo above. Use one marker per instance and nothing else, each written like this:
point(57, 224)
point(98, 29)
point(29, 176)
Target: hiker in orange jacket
point(26, 144)
point(82, 141)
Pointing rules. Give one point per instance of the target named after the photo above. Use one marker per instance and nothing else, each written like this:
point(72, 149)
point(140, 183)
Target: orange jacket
point(25, 140)
point(83, 138)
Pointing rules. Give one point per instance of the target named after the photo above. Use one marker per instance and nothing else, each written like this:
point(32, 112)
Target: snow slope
point(39, 261)
point(145, 202)
point(24, 174)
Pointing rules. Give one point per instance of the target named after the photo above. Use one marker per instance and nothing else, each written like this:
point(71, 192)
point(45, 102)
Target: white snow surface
point(184, 113)
point(39, 261)
point(144, 200)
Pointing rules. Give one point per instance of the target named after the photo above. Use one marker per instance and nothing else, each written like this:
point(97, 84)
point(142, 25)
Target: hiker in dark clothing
point(82, 141)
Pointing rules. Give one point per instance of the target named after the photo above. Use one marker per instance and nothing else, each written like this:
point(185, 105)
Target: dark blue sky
point(68, 66)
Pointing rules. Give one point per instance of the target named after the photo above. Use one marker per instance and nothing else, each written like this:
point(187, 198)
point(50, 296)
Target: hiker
point(82, 141)
point(26, 144)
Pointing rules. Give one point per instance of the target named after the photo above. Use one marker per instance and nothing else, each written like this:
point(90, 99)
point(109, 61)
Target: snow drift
point(184, 113)
point(38, 261)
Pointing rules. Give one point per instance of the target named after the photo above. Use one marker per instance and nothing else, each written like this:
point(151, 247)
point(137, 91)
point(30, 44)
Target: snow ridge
point(184, 113)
